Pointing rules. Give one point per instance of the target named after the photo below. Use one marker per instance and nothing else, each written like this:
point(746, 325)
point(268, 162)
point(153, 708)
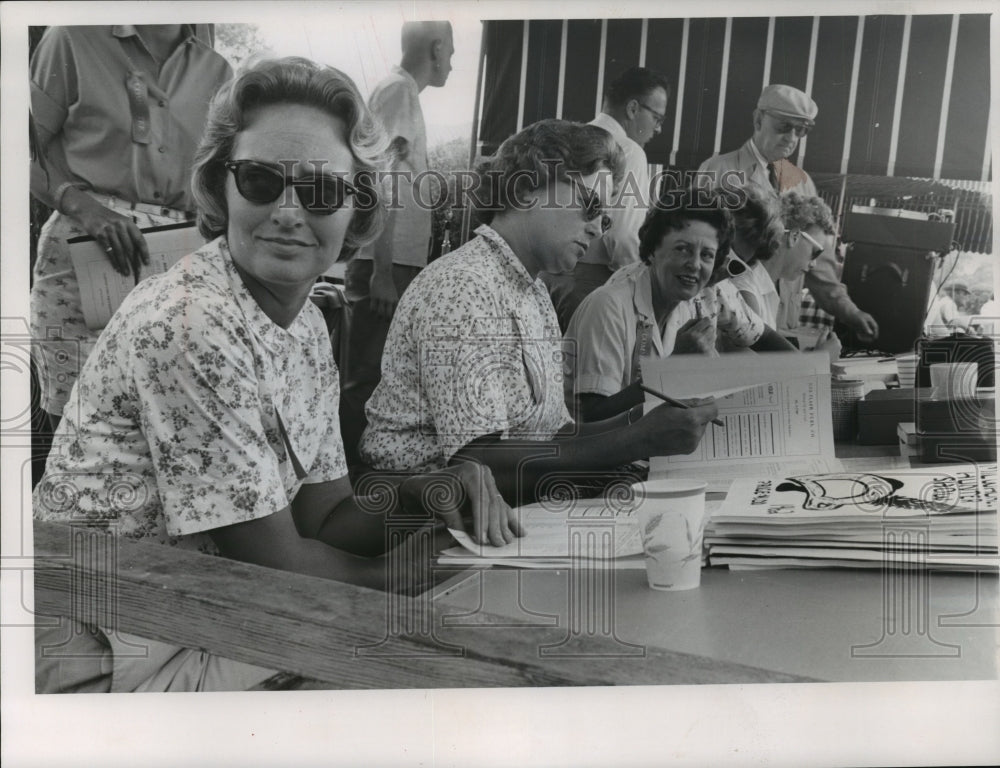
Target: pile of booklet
point(939, 518)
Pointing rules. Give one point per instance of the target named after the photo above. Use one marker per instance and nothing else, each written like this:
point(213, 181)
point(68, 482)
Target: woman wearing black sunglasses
point(473, 362)
point(207, 416)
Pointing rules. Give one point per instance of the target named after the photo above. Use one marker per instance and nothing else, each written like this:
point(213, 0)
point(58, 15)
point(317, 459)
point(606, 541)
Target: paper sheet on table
point(778, 419)
point(102, 289)
point(593, 529)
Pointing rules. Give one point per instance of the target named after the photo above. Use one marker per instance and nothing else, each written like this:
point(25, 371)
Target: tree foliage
point(238, 42)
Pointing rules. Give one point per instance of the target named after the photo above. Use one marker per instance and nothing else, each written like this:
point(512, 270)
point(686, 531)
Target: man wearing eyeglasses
point(783, 116)
point(635, 106)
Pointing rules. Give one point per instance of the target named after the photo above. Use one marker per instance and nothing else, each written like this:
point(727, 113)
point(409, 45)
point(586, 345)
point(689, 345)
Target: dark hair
point(689, 206)
point(757, 221)
point(801, 212)
point(539, 155)
point(634, 83)
point(291, 81)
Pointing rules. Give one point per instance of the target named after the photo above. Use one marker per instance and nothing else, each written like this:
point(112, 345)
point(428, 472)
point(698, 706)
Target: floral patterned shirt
point(174, 427)
point(474, 349)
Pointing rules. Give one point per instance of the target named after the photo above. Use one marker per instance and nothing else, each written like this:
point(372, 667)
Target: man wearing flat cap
point(784, 115)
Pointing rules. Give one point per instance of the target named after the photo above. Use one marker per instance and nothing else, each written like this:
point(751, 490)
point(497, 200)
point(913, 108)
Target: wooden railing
point(334, 634)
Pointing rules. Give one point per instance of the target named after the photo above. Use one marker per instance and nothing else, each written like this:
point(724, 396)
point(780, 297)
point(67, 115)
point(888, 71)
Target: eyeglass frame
point(296, 184)
point(787, 125)
point(659, 118)
point(818, 248)
point(590, 205)
point(731, 260)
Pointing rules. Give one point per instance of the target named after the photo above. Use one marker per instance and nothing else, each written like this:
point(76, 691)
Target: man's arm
point(831, 295)
point(393, 106)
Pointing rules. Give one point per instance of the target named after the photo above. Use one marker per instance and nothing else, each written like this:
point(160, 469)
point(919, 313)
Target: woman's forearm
point(522, 469)
point(595, 408)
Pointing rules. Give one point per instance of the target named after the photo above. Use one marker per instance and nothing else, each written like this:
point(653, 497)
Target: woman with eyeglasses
point(473, 364)
point(806, 231)
point(207, 416)
point(673, 302)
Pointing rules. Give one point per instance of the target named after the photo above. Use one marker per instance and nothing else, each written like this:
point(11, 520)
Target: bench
point(326, 634)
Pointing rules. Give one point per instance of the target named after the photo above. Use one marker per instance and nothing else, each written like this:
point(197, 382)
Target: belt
point(154, 210)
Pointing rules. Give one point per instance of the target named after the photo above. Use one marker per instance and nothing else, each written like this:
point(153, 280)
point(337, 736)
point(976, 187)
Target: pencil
point(675, 403)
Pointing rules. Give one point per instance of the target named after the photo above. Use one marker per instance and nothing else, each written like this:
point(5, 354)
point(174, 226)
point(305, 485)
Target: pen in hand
point(675, 403)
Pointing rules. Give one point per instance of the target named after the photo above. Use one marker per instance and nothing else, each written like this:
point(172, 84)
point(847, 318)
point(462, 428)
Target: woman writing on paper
point(473, 362)
point(118, 111)
point(664, 305)
point(207, 416)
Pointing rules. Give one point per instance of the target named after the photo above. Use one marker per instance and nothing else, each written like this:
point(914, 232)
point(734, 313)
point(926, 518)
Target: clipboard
point(103, 289)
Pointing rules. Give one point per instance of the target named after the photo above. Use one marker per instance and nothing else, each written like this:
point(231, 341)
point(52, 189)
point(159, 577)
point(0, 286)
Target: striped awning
point(898, 95)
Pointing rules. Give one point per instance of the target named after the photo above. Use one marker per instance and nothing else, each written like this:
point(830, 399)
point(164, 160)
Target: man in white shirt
point(635, 105)
point(378, 275)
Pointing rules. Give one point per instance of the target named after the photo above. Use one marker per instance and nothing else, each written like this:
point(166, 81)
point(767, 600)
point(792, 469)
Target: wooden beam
point(324, 630)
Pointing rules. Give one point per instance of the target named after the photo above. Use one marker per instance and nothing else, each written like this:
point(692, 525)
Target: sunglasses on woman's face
point(263, 183)
point(734, 265)
point(818, 248)
point(592, 205)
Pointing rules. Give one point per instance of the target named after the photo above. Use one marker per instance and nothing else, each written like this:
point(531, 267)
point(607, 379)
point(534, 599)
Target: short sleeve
point(598, 345)
point(194, 375)
point(823, 283)
point(53, 81)
point(394, 106)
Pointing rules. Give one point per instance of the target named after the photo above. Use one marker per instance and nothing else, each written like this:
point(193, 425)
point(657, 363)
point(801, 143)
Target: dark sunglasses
point(592, 206)
point(784, 126)
point(263, 183)
point(734, 265)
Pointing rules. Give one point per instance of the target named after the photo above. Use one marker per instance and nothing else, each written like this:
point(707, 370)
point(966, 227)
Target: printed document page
point(776, 409)
point(102, 289)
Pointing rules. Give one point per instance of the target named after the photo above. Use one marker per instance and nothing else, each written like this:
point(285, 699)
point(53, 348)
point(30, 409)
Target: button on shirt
point(474, 349)
point(172, 429)
point(396, 103)
point(81, 107)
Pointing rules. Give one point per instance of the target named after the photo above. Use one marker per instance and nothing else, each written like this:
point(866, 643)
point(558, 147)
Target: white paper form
point(778, 418)
point(559, 534)
point(102, 289)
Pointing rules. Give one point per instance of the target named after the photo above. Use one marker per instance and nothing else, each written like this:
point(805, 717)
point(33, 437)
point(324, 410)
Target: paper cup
point(906, 370)
point(672, 519)
point(954, 381)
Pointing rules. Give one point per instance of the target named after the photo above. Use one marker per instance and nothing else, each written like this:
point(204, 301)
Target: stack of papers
point(941, 518)
point(594, 533)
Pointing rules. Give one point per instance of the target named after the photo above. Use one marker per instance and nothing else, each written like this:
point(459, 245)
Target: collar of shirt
point(756, 153)
point(129, 30)
point(511, 264)
point(398, 70)
point(639, 279)
point(263, 326)
point(612, 126)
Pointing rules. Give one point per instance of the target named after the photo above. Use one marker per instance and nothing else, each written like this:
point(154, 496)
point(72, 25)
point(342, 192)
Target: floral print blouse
point(195, 411)
point(474, 349)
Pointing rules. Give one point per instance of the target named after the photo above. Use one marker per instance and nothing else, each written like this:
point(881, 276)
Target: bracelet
point(628, 415)
point(60, 191)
